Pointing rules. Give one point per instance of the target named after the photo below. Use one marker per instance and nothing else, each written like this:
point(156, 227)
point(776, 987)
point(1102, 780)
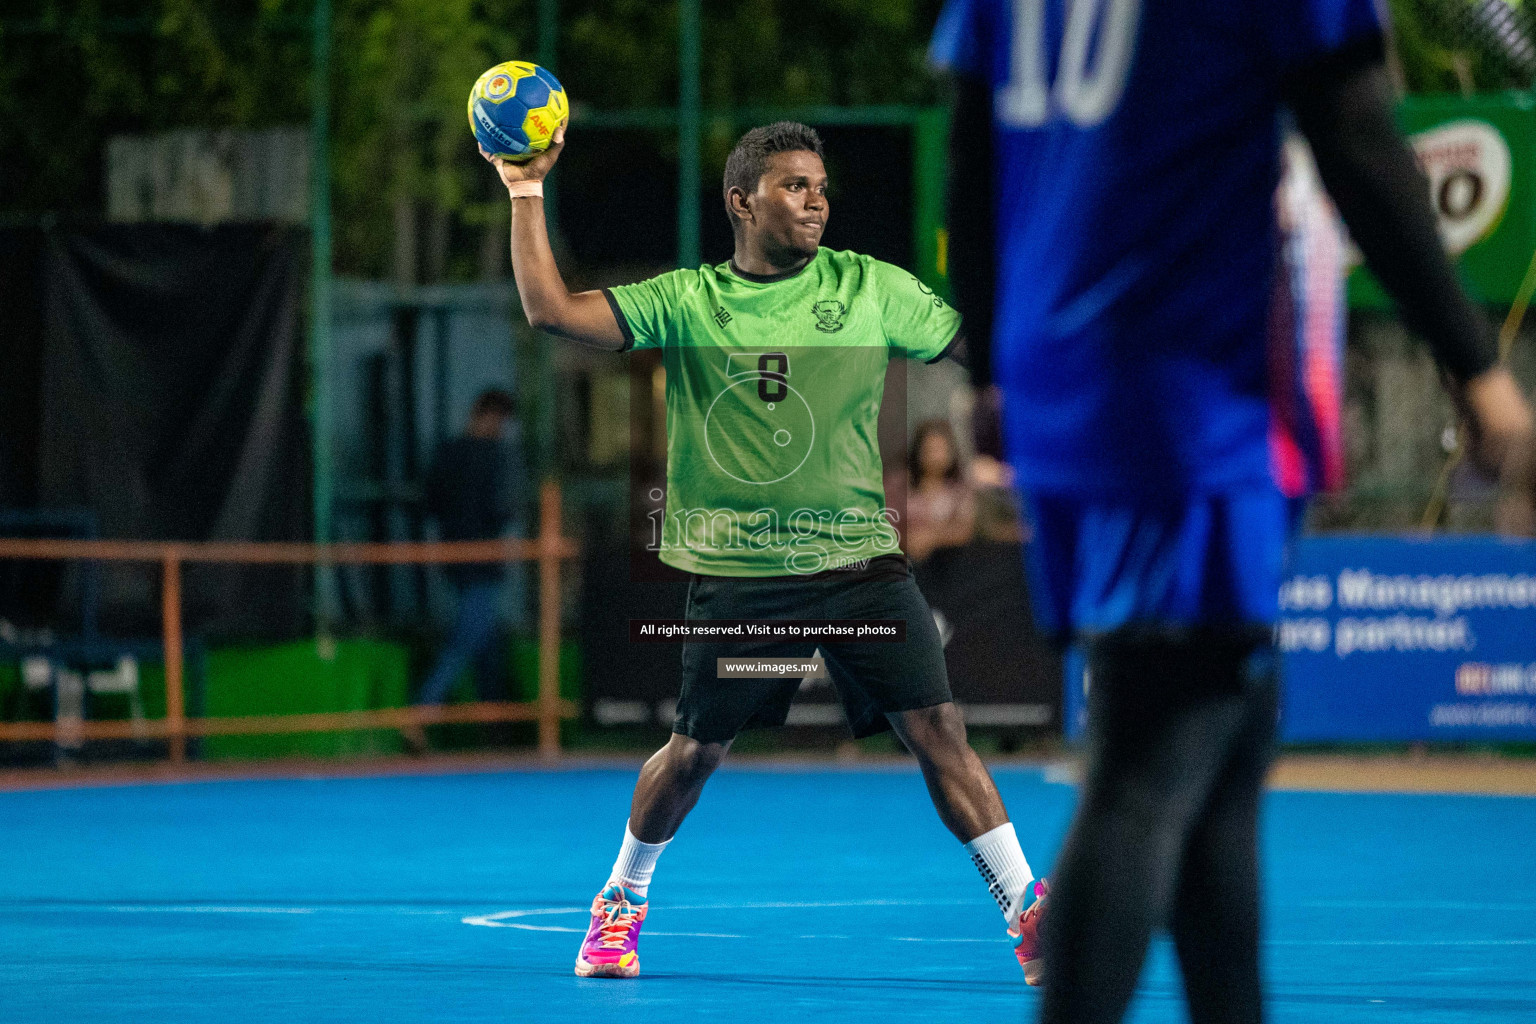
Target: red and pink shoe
point(611, 948)
point(1026, 935)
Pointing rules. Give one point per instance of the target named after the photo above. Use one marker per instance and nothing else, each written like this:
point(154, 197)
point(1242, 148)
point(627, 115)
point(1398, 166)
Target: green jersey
point(773, 393)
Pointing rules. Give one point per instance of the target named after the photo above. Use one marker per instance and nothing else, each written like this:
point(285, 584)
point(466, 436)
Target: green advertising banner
point(1479, 154)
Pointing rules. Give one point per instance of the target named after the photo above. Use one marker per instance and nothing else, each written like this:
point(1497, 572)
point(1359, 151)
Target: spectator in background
point(998, 519)
point(941, 502)
point(473, 489)
point(989, 466)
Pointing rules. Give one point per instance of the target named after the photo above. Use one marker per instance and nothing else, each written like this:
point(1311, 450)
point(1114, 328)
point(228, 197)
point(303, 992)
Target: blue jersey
point(1137, 154)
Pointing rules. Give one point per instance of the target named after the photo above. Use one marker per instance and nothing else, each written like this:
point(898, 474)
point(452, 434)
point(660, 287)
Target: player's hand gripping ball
point(514, 110)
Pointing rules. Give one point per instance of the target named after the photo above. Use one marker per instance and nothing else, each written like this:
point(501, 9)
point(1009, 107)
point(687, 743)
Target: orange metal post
point(170, 612)
point(549, 619)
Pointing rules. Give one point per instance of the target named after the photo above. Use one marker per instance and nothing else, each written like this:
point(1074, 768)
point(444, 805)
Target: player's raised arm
point(1344, 106)
point(584, 317)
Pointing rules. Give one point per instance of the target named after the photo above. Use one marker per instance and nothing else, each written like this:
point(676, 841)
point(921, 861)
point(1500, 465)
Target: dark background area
point(154, 389)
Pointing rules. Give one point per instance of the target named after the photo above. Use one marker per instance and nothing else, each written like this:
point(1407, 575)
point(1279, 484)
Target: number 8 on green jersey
point(773, 396)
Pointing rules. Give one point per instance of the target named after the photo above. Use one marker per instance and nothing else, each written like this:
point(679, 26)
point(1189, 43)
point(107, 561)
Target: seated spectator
point(941, 502)
point(988, 467)
point(997, 507)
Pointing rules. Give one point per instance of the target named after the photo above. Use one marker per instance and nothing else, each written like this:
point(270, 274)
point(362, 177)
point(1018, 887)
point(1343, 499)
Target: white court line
point(500, 919)
point(489, 920)
point(506, 919)
point(199, 909)
point(694, 935)
point(1413, 905)
point(794, 905)
point(212, 908)
point(673, 935)
point(1400, 942)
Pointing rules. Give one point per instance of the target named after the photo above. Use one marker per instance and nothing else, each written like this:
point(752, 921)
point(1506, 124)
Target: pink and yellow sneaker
point(1026, 936)
point(611, 948)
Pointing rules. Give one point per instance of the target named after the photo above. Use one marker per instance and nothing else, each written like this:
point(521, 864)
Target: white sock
point(1001, 862)
point(636, 862)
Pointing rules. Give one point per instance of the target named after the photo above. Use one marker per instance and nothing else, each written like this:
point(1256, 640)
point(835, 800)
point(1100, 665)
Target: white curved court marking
point(1416, 905)
point(499, 919)
point(504, 920)
point(1400, 942)
point(130, 908)
point(508, 918)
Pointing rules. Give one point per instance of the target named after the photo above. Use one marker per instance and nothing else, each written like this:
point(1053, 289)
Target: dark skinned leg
point(963, 792)
point(669, 786)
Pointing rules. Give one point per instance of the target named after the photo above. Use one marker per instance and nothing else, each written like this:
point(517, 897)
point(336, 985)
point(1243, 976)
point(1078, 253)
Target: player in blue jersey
point(1114, 168)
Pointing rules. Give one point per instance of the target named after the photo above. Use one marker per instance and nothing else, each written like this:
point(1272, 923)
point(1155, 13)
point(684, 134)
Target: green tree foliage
point(403, 151)
point(73, 73)
point(623, 53)
point(1463, 46)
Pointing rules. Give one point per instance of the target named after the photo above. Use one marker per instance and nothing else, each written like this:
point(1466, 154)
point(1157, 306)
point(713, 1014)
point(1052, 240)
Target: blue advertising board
point(1397, 639)
point(1387, 638)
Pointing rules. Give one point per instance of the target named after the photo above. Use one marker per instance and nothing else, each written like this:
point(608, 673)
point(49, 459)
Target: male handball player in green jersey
point(775, 367)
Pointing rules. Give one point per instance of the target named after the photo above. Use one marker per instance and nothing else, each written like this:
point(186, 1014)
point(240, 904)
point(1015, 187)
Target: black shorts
point(873, 678)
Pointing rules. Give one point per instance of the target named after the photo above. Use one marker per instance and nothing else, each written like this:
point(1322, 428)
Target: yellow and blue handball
point(514, 110)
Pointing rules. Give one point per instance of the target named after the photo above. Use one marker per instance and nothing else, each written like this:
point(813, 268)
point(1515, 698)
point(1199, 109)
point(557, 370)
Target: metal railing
point(549, 548)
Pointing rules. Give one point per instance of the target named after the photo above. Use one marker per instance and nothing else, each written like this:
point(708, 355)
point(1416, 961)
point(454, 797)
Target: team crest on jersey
point(938, 303)
point(829, 315)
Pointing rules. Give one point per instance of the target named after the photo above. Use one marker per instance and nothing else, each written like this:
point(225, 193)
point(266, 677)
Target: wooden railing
point(548, 549)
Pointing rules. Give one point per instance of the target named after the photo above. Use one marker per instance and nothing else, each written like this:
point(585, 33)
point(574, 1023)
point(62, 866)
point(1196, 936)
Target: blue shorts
point(1208, 561)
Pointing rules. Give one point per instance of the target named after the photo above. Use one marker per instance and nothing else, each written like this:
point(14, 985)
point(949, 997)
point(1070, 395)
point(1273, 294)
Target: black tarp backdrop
point(170, 403)
point(21, 351)
point(29, 591)
point(995, 654)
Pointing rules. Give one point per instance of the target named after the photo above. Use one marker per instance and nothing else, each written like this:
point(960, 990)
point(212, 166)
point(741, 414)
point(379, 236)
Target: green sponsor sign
point(1479, 154)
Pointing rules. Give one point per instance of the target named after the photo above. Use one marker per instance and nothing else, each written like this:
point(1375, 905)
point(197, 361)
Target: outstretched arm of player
point(1344, 106)
point(584, 317)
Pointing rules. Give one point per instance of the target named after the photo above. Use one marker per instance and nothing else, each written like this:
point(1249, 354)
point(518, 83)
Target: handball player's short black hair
point(747, 162)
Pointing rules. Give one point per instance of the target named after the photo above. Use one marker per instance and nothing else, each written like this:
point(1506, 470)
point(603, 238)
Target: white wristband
point(525, 189)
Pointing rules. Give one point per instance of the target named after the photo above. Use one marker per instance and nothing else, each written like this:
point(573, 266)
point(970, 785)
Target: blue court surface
point(791, 894)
